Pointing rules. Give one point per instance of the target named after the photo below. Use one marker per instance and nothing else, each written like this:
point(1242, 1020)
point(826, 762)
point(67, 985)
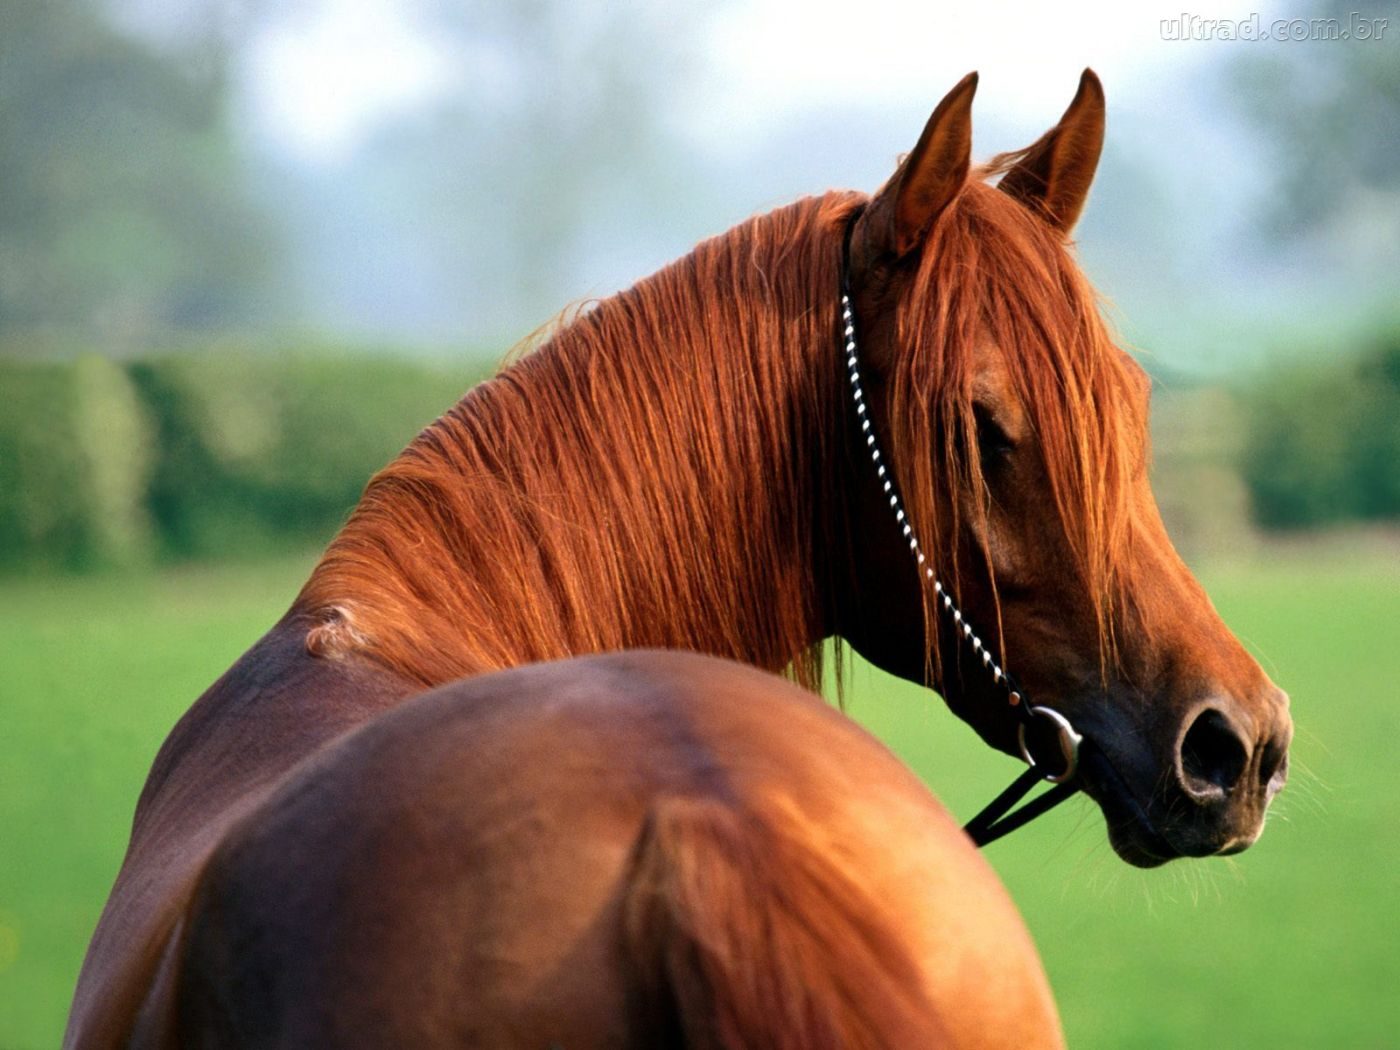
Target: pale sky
point(326, 71)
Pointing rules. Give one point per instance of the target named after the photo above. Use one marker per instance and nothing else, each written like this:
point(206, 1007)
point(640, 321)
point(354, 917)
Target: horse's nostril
point(1273, 766)
point(1213, 757)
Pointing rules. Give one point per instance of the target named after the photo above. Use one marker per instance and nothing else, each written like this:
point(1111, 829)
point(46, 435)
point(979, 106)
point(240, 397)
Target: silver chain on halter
point(993, 821)
point(867, 429)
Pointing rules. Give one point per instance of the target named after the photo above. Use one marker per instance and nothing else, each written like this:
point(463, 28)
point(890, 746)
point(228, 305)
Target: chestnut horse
point(336, 848)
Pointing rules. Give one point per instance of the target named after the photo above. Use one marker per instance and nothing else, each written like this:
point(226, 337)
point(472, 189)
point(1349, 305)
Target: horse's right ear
point(1052, 175)
point(901, 213)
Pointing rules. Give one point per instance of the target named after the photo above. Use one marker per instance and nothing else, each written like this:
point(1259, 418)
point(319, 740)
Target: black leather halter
point(997, 817)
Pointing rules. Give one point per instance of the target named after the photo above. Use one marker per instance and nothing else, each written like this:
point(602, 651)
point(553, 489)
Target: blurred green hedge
point(225, 451)
point(255, 451)
point(1323, 441)
point(194, 455)
point(75, 459)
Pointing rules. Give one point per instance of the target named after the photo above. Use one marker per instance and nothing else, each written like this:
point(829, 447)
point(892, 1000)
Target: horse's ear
point(1052, 176)
point(930, 177)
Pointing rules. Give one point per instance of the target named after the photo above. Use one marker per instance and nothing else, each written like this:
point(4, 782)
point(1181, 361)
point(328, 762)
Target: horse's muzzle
point(1212, 797)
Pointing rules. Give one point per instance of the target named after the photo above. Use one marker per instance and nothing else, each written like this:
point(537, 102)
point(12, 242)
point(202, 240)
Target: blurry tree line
point(134, 205)
point(500, 199)
point(124, 211)
point(133, 217)
point(1322, 436)
point(1329, 114)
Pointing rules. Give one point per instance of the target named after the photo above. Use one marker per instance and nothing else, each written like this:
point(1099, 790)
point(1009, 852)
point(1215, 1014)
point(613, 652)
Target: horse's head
point(1017, 433)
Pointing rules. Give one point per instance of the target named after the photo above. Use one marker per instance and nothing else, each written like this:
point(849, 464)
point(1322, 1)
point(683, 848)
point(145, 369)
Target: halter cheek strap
point(996, 819)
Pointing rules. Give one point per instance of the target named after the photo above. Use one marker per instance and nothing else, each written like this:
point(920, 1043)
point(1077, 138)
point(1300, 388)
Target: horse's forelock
point(993, 273)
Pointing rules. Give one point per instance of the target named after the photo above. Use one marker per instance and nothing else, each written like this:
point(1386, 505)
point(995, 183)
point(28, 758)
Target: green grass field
point(1294, 944)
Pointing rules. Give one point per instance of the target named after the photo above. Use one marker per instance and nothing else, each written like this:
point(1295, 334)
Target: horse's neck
point(655, 476)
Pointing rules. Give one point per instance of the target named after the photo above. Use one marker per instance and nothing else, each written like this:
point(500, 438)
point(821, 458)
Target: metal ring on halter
point(1069, 743)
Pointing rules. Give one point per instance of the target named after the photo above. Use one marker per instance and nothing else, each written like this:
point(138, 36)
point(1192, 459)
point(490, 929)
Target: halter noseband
point(995, 820)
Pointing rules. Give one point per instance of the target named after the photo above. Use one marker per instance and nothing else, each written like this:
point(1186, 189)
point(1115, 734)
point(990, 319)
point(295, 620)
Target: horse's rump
point(611, 851)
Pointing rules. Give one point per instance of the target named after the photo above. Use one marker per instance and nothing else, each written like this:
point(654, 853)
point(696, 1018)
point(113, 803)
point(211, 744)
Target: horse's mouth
point(1135, 835)
point(1131, 831)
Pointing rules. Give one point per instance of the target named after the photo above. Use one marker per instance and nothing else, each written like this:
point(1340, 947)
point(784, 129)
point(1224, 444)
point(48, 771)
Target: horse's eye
point(992, 441)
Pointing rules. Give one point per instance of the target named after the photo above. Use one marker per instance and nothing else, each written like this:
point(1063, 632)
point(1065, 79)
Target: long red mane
point(659, 471)
point(642, 479)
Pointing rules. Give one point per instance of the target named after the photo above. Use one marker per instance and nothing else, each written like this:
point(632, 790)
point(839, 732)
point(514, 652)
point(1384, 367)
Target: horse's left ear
point(1052, 176)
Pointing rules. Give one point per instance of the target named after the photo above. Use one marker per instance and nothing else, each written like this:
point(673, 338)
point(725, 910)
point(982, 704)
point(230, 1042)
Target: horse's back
point(483, 866)
point(275, 706)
